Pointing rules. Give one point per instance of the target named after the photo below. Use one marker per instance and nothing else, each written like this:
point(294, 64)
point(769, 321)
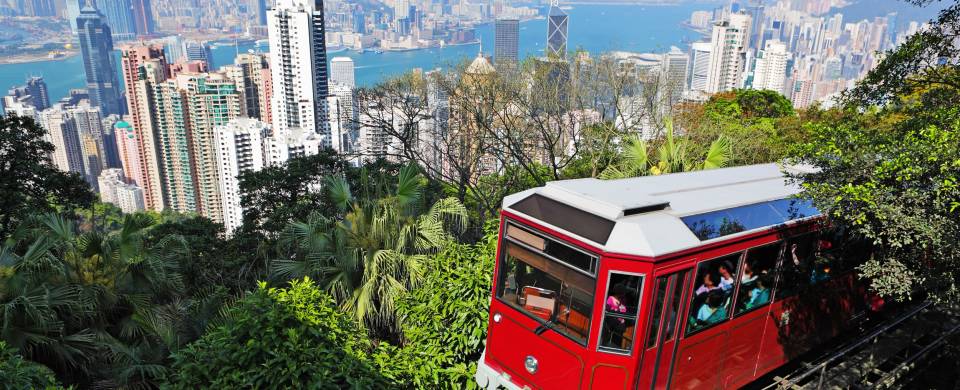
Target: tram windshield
point(549, 281)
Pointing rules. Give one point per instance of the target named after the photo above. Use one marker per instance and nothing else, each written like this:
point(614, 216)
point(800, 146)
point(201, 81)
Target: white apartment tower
point(699, 69)
point(343, 118)
point(298, 63)
point(728, 53)
point(282, 145)
point(341, 72)
point(239, 150)
point(770, 71)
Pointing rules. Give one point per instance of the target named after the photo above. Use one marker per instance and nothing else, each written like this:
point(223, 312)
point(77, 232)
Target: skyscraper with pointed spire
point(96, 45)
point(557, 21)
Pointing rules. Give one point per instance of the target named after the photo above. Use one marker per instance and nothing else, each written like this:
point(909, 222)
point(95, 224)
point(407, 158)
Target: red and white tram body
point(697, 280)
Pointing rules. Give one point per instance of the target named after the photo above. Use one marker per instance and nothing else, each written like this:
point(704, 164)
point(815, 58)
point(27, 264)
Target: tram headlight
point(497, 317)
point(531, 364)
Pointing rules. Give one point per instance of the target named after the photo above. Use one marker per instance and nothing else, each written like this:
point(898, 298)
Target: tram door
point(661, 342)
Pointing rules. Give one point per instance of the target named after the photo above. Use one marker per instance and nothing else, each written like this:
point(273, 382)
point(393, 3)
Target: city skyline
point(180, 101)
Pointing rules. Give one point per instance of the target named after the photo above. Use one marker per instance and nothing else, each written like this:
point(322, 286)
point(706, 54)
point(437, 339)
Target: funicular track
point(887, 354)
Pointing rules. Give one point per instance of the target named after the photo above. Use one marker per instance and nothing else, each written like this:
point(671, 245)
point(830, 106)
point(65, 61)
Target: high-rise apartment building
point(728, 53)
point(141, 161)
point(119, 16)
point(62, 133)
point(239, 149)
point(699, 68)
point(506, 41)
point(187, 109)
point(673, 70)
point(770, 70)
point(96, 46)
point(343, 118)
point(341, 72)
point(247, 73)
point(114, 189)
point(298, 63)
point(282, 145)
point(557, 23)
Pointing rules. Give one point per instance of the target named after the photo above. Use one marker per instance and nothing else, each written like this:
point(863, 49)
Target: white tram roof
point(657, 215)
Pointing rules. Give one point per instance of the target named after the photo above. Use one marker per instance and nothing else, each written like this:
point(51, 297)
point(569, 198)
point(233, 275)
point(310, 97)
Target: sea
point(596, 28)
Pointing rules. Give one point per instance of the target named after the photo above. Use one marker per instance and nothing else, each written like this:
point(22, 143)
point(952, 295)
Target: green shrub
point(444, 321)
point(293, 337)
point(17, 373)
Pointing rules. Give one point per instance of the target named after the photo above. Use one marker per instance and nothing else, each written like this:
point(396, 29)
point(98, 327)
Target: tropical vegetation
point(379, 275)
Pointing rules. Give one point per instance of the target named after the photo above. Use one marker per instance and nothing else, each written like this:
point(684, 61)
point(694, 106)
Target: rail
point(793, 381)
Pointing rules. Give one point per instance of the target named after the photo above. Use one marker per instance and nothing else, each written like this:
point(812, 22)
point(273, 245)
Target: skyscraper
point(699, 69)
point(62, 133)
point(506, 41)
point(37, 88)
point(343, 118)
point(557, 21)
point(258, 9)
point(728, 53)
point(198, 51)
point(341, 71)
point(119, 16)
point(96, 45)
point(187, 109)
point(770, 70)
point(298, 63)
point(247, 73)
point(674, 73)
point(33, 94)
point(239, 147)
point(142, 17)
point(141, 163)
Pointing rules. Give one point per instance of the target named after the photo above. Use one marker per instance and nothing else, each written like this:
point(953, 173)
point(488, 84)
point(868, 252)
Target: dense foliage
point(445, 320)
point(17, 373)
point(379, 276)
point(892, 173)
point(29, 182)
point(280, 338)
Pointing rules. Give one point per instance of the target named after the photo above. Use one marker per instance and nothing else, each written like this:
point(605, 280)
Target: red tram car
point(697, 280)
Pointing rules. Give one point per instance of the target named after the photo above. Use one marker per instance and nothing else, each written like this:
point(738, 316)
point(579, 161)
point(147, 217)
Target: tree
point(376, 251)
point(444, 320)
point(890, 173)
point(98, 308)
point(671, 156)
point(276, 195)
point(17, 373)
point(29, 182)
point(290, 337)
point(760, 126)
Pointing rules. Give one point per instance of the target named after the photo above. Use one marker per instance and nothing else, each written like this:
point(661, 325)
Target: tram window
point(660, 297)
point(548, 290)
point(674, 309)
point(620, 310)
point(714, 291)
point(756, 279)
point(797, 265)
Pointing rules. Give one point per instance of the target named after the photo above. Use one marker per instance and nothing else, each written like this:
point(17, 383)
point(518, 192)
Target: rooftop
point(658, 215)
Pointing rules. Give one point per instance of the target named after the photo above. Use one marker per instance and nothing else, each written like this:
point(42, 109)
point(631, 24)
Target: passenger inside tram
point(748, 275)
point(710, 311)
point(726, 277)
point(708, 284)
point(760, 293)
